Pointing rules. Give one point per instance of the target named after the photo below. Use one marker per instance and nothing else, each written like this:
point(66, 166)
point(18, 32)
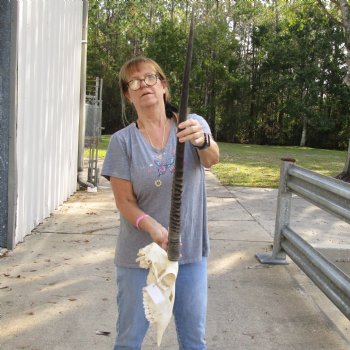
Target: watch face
point(207, 139)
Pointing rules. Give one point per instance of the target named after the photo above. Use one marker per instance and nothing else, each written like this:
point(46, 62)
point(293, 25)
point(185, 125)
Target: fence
point(328, 194)
point(93, 127)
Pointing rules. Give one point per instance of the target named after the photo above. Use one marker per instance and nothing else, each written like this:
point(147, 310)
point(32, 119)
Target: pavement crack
point(88, 232)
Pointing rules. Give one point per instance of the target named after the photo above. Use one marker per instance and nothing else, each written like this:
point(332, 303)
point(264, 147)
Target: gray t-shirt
point(131, 157)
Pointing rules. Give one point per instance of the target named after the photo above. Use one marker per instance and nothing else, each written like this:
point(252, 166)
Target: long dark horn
point(175, 211)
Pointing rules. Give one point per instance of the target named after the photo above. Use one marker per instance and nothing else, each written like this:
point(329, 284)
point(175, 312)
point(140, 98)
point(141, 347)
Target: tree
point(263, 72)
point(342, 18)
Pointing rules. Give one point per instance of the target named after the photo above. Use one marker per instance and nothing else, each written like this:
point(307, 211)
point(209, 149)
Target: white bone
point(161, 278)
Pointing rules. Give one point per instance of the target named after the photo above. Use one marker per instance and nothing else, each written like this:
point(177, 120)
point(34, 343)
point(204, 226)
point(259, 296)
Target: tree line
point(263, 72)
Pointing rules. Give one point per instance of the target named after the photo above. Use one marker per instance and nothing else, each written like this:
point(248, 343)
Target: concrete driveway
point(57, 287)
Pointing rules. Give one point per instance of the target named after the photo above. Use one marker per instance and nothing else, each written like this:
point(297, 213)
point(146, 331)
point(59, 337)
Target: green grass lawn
point(258, 166)
point(102, 147)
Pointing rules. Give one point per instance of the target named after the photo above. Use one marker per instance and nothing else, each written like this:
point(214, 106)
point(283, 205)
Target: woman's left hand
point(191, 131)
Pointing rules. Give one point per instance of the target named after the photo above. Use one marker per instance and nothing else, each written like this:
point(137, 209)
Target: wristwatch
point(206, 143)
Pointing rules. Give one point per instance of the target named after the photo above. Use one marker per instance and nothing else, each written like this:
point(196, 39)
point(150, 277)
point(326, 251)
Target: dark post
point(8, 65)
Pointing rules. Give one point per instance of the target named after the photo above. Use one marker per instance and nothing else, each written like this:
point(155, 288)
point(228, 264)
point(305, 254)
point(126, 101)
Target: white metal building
point(46, 45)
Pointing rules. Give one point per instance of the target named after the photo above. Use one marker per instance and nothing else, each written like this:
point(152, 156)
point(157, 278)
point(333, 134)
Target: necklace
point(158, 181)
point(163, 136)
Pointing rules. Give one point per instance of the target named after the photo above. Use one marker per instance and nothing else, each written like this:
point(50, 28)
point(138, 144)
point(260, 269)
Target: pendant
point(159, 156)
point(158, 182)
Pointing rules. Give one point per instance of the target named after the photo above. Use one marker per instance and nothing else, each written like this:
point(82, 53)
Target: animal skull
point(159, 294)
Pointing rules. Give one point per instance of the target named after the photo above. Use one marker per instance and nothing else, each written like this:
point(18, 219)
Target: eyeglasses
point(150, 80)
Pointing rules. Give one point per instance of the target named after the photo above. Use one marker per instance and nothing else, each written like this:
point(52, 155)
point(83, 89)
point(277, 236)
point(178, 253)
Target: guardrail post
point(278, 256)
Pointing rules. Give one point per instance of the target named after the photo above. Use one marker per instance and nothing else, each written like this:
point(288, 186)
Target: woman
point(140, 164)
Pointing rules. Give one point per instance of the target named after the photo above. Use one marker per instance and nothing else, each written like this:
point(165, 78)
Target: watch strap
point(206, 143)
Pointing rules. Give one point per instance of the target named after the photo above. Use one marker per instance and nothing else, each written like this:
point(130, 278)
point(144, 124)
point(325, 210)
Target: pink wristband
point(138, 220)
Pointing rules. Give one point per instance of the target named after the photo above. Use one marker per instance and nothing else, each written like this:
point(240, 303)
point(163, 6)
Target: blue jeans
point(190, 307)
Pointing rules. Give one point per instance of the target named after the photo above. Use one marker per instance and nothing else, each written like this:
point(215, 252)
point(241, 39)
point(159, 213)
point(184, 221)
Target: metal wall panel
point(49, 54)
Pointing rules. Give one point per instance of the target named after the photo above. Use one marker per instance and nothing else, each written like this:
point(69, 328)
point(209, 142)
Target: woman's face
point(146, 96)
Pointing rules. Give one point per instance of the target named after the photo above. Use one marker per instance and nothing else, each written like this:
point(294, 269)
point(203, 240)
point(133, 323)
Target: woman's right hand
point(159, 235)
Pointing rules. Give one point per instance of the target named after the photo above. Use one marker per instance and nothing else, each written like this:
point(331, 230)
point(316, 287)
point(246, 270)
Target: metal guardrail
point(329, 194)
